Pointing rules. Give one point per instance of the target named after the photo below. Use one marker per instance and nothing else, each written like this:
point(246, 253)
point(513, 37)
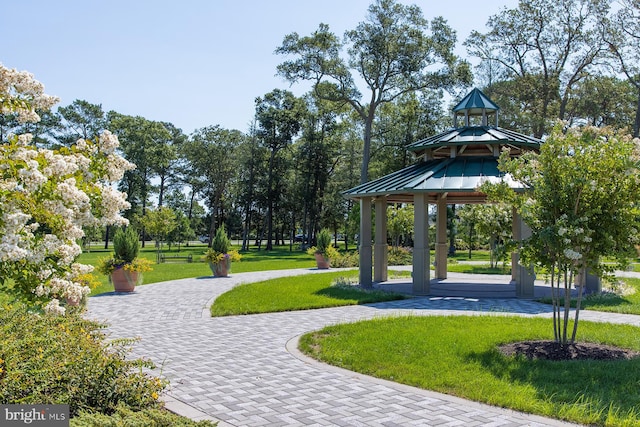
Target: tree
point(211, 152)
point(82, 120)
point(278, 114)
point(603, 101)
point(391, 52)
point(582, 207)
point(407, 119)
point(544, 48)
point(494, 223)
point(623, 40)
point(46, 198)
point(399, 223)
point(159, 223)
point(144, 143)
point(468, 217)
point(250, 183)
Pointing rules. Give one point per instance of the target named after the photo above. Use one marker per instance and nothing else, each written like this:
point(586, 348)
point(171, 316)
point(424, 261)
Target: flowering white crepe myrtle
point(47, 197)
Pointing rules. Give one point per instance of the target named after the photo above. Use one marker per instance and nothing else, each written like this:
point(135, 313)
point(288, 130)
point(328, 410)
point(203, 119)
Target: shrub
point(124, 417)
point(66, 360)
point(400, 256)
point(323, 241)
point(346, 259)
point(125, 245)
point(221, 243)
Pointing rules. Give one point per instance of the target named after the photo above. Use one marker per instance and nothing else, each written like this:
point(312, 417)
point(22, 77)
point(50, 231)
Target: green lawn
point(252, 260)
point(295, 293)
point(627, 302)
point(458, 356)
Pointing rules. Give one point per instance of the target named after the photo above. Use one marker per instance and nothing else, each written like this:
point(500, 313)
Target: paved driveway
point(245, 370)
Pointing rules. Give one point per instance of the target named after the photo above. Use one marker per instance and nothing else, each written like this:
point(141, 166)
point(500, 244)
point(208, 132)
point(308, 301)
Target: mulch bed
point(551, 350)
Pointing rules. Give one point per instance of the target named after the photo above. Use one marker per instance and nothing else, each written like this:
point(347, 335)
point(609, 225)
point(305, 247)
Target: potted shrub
point(220, 255)
point(324, 250)
point(124, 268)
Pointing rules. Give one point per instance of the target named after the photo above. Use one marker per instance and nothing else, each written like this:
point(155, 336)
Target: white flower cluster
point(22, 94)
point(572, 255)
point(47, 197)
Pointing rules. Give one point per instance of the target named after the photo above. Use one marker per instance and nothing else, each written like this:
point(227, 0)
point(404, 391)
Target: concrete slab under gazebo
point(450, 167)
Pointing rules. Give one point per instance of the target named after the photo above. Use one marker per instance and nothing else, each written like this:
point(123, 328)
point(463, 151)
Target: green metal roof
point(454, 175)
point(475, 102)
point(476, 135)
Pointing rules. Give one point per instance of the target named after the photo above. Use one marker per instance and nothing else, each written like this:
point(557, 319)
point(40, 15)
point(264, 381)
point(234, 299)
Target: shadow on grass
point(595, 387)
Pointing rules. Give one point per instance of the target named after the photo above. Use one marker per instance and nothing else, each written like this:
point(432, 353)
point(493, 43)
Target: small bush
point(124, 417)
point(345, 260)
point(125, 245)
point(221, 242)
point(400, 256)
point(66, 360)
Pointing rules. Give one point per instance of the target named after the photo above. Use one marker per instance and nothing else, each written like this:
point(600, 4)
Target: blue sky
point(193, 63)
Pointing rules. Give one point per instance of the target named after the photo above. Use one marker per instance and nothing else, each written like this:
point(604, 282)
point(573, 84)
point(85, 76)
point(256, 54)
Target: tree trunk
point(106, 236)
point(636, 125)
point(366, 149)
point(270, 203)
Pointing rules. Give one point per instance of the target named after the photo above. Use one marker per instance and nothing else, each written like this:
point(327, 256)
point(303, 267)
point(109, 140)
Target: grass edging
point(458, 355)
point(293, 347)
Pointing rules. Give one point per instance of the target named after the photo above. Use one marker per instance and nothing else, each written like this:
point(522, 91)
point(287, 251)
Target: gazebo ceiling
point(458, 178)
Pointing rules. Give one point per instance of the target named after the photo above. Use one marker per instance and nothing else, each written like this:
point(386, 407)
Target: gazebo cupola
point(475, 132)
point(449, 168)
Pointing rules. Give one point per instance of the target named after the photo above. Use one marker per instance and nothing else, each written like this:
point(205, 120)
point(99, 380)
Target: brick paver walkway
point(245, 370)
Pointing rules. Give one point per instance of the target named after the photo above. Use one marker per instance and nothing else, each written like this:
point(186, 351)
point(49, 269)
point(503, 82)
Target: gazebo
point(449, 169)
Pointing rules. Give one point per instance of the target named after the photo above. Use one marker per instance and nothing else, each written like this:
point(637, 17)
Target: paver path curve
point(239, 370)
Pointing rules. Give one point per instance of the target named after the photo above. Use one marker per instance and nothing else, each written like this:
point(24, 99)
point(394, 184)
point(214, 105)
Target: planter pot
point(125, 281)
point(322, 262)
point(221, 269)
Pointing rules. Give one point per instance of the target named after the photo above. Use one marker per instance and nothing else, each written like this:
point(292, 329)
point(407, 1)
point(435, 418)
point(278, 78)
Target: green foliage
point(124, 417)
point(399, 223)
point(345, 259)
point(323, 241)
point(400, 256)
point(159, 222)
point(125, 245)
point(584, 187)
point(67, 360)
point(394, 51)
point(458, 355)
point(221, 241)
point(324, 246)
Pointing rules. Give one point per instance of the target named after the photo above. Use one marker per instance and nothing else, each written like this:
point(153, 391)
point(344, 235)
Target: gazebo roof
point(457, 177)
point(456, 162)
point(475, 137)
point(475, 102)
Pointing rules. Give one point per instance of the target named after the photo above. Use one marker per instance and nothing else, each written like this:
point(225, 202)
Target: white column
point(441, 238)
point(365, 243)
point(380, 249)
point(421, 245)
